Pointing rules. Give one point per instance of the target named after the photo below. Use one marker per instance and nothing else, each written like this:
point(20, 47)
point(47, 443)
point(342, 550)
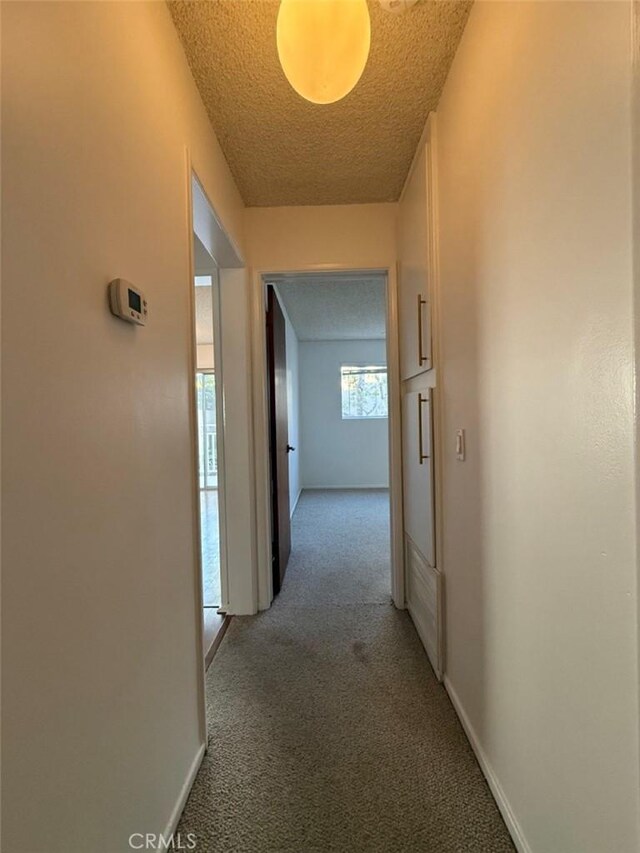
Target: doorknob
point(289, 448)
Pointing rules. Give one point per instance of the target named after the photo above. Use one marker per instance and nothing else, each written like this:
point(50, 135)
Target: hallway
point(327, 728)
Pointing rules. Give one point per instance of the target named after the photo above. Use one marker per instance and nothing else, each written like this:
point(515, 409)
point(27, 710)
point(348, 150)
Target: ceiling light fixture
point(323, 46)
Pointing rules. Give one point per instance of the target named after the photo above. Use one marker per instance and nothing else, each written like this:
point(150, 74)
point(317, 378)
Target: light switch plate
point(460, 445)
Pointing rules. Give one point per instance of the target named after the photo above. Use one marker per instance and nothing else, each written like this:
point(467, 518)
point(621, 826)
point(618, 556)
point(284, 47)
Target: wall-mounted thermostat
point(127, 302)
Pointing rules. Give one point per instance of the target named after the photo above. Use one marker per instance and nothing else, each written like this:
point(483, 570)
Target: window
point(364, 391)
point(206, 405)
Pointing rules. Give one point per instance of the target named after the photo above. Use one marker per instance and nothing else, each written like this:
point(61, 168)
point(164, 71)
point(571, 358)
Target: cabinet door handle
point(421, 356)
point(421, 454)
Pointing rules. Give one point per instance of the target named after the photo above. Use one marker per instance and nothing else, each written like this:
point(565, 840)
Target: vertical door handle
point(421, 356)
point(421, 454)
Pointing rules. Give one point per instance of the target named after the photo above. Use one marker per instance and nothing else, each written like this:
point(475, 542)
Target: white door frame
point(195, 469)
point(261, 424)
point(201, 217)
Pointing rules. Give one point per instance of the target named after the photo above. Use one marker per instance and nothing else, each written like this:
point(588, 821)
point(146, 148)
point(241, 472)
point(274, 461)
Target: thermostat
point(127, 302)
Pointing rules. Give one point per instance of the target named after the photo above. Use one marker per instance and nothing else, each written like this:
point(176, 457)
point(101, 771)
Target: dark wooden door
point(279, 448)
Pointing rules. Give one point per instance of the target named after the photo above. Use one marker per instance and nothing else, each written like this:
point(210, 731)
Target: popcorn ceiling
point(283, 150)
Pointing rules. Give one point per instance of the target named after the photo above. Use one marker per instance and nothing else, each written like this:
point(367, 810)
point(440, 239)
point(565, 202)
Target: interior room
point(208, 410)
point(338, 431)
point(319, 426)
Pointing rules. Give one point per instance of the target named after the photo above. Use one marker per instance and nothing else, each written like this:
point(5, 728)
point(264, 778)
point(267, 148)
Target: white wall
point(239, 483)
point(339, 453)
point(539, 530)
point(205, 357)
point(296, 238)
point(101, 717)
point(293, 405)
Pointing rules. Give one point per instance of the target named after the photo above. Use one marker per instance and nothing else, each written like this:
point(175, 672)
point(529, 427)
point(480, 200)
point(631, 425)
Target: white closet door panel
point(417, 454)
point(413, 273)
point(424, 602)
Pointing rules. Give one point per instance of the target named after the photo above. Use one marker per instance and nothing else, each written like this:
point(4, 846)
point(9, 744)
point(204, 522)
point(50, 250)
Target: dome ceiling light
point(323, 46)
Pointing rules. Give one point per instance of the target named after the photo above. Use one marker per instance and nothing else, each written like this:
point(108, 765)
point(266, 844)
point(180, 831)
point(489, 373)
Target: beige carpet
point(328, 730)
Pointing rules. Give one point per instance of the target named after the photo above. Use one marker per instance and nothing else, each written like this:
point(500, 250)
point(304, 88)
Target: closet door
point(418, 472)
point(423, 585)
point(413, 272)
point(424, 602)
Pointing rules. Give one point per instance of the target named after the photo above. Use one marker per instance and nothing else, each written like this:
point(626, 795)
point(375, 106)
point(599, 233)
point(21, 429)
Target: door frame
point(214, 272)
point(261, 422)
point(225, 255)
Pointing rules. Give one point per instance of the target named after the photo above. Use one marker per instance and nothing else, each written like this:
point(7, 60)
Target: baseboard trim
point(174, 820)
point(337, 488)
point(295, 503)
point(496, 789)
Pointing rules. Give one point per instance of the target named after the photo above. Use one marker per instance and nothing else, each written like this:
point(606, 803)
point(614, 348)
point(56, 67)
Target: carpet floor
point(328, 730)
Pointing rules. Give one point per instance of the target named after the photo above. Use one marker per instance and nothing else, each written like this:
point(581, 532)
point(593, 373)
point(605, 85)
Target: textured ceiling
point(282, 149)
point(334, 308)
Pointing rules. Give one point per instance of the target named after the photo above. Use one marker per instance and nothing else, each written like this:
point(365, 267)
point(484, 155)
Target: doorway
point(206, 401)
point(329, 428)
point(209, 440)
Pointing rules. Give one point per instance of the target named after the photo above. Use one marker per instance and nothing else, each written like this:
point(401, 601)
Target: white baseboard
point(496, 789)
point(295, 503)
point(174, 820)
point(330, 488)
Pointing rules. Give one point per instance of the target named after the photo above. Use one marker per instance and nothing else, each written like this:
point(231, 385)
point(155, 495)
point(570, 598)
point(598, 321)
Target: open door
point(279, 447)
